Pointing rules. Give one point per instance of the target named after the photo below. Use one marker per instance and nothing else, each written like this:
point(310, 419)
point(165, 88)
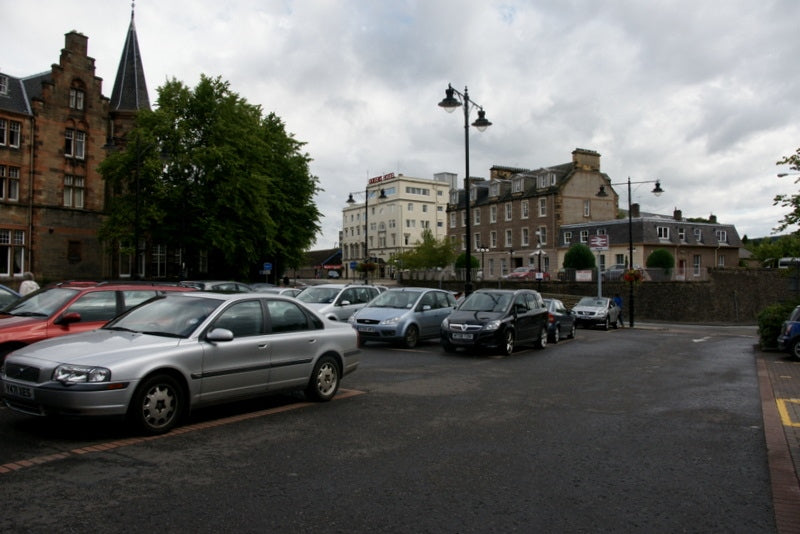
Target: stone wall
point(734, 296)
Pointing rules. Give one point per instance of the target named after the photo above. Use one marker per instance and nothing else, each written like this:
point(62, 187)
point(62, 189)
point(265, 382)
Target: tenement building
point(515, 216)
point(55, 129)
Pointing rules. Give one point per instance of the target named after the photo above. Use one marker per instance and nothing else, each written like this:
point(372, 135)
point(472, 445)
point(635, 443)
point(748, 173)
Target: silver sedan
point(159, 360)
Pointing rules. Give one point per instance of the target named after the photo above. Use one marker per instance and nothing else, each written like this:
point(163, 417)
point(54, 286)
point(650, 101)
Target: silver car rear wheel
point(324, 380)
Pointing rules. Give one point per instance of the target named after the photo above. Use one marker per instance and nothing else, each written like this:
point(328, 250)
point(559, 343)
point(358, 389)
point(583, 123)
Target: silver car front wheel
point(324, 380)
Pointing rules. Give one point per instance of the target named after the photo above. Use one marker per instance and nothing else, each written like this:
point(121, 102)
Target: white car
point(596, 311)
point(338, 302)
point(178, 352)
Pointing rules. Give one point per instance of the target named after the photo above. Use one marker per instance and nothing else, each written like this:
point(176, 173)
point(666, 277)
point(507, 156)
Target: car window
point(242, 318)
point(286, 317)
point(95, 306)
point(486, 301)
point(136, 296)
point(427, 300)
point(521, 304)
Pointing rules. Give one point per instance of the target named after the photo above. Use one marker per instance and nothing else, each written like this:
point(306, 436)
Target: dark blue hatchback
point(789, 338)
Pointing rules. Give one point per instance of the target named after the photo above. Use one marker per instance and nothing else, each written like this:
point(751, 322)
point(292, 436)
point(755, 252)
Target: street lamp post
point(350, 200)
point(657, 192)
point(539, 275)
point(450, 103)
point(483, 249)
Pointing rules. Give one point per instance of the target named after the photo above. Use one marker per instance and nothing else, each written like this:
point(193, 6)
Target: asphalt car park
point(652, 429)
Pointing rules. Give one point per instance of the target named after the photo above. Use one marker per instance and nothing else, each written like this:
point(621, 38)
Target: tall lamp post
point(539, 274)
point(483, 249)
point(450, 103)
point(657, 192)
point(351, 201)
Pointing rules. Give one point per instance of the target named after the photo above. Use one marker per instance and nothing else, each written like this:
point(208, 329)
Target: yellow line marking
point(784, 411)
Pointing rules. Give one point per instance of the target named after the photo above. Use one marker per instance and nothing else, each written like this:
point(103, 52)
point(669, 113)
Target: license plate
point(366, 329)
point(18, 391)
point(457, 335)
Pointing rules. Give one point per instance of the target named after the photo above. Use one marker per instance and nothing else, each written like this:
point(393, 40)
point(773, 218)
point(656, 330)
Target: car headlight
point(492, 325)
point(352, 319)
point(445, 323)
point(392, 320)
point(79, 374)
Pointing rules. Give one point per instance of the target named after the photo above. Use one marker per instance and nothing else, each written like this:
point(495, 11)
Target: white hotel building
point(399, 209)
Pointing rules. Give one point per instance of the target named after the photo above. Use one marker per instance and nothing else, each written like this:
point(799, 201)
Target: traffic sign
point(598, 242)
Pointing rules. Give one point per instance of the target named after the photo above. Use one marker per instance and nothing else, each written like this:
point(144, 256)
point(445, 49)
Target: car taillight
point(551, 318)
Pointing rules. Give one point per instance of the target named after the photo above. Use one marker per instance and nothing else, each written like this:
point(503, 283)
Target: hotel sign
point(379, 179)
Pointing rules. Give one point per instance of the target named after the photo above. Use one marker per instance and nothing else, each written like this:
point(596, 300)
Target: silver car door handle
point(263, 346)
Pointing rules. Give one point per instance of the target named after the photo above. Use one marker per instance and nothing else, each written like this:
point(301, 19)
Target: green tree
point(661, 258)
point(208, 174)
point(767, 251)
point(579, 256)
point(461, 261)
point(429, 253)
point(789, 201)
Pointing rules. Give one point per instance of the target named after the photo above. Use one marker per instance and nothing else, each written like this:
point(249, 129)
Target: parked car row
point(152, 352)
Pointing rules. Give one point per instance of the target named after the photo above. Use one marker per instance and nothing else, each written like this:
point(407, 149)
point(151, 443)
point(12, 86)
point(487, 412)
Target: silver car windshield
point(485, 301)
point(319, 295)
point(396, 299)
point(165, 316)
point(41, 304)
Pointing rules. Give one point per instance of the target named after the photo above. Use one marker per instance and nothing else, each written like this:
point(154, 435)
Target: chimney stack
point(677, 215)
point(635, 210)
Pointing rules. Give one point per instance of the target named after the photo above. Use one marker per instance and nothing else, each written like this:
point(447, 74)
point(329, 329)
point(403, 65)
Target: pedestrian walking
point(620, 318)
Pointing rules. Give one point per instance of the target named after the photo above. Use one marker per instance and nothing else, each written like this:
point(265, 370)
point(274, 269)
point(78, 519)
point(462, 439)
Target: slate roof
point(16, 99)
point(130, 87)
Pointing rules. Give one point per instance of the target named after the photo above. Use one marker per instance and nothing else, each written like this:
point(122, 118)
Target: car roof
point(132, 284)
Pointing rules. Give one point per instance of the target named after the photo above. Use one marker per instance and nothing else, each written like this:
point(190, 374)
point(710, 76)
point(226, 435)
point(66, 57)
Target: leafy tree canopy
point(768, 251)
point(789, 201)
point(579, 256)
point(429, 253)
point(209, 173)
point(661, 258)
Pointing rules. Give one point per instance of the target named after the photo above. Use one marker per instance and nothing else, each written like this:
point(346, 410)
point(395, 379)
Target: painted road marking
point(783, 409)
point(102, 447)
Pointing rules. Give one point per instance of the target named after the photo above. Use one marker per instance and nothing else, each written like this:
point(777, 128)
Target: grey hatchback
point(180, 351)
point(404, 315)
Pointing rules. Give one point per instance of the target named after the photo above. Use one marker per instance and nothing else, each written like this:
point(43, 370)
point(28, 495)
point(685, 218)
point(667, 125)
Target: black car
point(560, 321)
point(497, 319)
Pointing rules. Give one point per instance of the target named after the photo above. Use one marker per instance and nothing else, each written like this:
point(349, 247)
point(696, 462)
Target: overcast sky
point(701, 94)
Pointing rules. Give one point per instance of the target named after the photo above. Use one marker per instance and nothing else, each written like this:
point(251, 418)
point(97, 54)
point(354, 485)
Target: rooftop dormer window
point(3, 84)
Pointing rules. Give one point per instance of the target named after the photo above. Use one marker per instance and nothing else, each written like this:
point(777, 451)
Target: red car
point(69, 308)
point(526, 273)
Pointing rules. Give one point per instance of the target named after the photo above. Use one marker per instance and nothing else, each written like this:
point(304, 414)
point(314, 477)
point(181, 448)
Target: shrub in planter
point(770, 320)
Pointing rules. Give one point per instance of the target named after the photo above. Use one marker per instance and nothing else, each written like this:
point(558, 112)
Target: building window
point(476, 215)
point(698, 235)
point(76, 97)
point(75, 144)
point(587, 208)
point(493, 239)
point(523, 207)
point(494, 189)
point(508, 211)
point(619, 259)
point(696, 264)
point(509, 239)
point(3, 132)
point(452, 219)
point(3, 85)
point(682, 235)
point(12, 252)
point(524, 238)
point(516, 185)
point(663, 232)
point(493, 214)
point(722, 236)
point(14, 134)
point(454, 196)
point(73, 191)
point(721, 260)
point(584, 236)
point(543, 207)
point(159, 261)
point(542, 234)
point(464, 218)
point(567, 238)
point(473, 194)
point(476, 241)
point(9, 183)
point(410, 207)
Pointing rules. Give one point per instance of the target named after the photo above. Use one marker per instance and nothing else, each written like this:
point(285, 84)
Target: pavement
point(779, 384)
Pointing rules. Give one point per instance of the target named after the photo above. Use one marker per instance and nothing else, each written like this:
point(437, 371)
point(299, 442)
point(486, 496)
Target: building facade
point(55, 129)
point(695, 244)
point(516, 215)
point(395, 212)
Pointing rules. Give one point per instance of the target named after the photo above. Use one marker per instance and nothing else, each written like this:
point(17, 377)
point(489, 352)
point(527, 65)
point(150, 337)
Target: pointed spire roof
point(130, 88)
